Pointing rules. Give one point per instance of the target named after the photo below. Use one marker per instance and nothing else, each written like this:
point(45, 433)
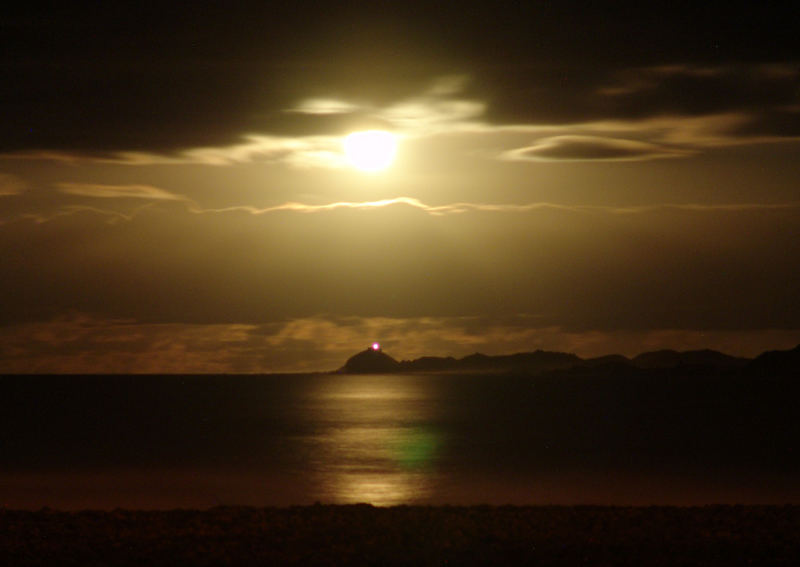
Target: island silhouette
point(371, 360)
point(374, 360)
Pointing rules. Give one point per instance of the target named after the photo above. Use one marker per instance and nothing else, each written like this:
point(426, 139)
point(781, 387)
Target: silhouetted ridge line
point(374, 360)
point(777, 361)
point(673, 358)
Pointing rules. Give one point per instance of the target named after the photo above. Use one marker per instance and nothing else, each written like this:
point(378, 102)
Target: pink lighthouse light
point(376, 346)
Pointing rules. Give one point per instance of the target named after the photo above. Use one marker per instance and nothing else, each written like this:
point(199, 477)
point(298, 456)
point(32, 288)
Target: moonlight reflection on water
point(373, 439)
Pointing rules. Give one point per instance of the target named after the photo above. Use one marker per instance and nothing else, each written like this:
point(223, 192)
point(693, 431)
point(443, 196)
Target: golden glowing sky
point(190, 191)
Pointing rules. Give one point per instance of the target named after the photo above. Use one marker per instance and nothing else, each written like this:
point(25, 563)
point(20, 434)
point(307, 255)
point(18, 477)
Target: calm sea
point(74, 442)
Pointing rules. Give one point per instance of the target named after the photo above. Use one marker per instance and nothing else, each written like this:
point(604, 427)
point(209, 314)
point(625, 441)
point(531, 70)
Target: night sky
point(175, 195)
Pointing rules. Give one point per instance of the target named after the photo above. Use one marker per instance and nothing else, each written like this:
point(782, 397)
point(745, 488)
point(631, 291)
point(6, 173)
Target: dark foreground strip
point(364, 535)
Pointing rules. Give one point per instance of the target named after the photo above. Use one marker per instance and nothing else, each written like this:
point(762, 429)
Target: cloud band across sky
point(628, 114)
point(655, 266)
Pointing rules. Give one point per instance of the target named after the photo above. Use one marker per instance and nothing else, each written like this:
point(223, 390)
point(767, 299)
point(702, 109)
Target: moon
point(370, 150)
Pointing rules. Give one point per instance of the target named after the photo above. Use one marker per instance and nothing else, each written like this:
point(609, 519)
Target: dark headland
point(375, 360)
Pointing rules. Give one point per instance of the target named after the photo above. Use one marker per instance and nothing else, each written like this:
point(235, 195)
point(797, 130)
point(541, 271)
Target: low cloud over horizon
point(79, 343)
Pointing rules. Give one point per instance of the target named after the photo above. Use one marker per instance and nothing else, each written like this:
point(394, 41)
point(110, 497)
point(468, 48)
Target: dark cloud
point(164, 79)
point(81, 106)
point(578, 94)
point(775, 123)
point(695, 90)
point(591, 148)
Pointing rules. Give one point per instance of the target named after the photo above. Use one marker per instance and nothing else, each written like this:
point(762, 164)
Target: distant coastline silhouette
point(375, 360)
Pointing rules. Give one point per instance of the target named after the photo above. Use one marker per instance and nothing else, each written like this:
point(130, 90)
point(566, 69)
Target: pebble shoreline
point(406, 535)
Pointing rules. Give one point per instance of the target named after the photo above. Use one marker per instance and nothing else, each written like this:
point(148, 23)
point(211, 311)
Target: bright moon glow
point(376, 346)
point(370, 150)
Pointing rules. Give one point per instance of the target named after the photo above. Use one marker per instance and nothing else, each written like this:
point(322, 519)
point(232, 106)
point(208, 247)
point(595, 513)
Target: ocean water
point(77, 442)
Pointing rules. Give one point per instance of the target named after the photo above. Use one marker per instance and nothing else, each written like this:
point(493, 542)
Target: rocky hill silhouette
point(370, 361)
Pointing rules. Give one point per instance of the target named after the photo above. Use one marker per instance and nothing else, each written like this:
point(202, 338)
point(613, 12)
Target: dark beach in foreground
point(406, 535)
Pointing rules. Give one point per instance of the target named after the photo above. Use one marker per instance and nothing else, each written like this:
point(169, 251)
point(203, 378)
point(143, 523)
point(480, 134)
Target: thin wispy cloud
point(458, 208)
point(442, 108)
point(301, 151)
point(102, 191)
point(324, 106)
point(109, 216)
point(11, 185)
point(465, 207)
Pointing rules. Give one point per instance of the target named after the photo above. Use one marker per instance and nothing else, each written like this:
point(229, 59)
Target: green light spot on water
point(417, 448)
